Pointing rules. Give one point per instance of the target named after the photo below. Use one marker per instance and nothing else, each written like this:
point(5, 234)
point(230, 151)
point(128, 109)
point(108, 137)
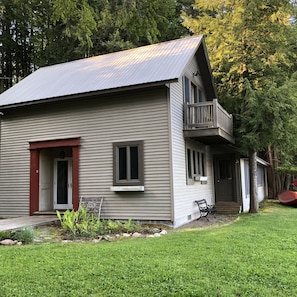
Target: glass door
point(63, 183)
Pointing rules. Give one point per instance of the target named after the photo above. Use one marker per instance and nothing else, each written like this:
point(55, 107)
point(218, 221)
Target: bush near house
point(81, 223)
point(25, 235)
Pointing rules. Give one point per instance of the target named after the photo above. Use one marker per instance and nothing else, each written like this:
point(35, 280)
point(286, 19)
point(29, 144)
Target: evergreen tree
point(252, 47)
point(44, 32)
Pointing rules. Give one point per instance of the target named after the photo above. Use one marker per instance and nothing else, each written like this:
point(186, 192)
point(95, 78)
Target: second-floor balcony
point(208, 122)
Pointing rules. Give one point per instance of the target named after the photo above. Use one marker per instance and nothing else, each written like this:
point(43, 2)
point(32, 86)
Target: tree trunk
point(271, 174)
point(254, 203)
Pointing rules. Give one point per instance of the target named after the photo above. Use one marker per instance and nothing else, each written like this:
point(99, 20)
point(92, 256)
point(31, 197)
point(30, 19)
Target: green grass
point(254, 256)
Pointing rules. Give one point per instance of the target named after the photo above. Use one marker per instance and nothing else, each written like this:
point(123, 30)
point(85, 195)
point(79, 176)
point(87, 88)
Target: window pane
point(122, 163)
point(134, 162)
point(194, 162)
point(225, 169)
point(187, 90)
point(203, 164)
point(260, 172)
point(189, 163)
point(199, 163)
point(193, 93)
point(62, 182)
point(200, 95)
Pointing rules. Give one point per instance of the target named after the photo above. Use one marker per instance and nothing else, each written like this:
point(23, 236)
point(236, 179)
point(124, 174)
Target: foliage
point(239, 259)
point(80, 223)
point(83, 224)
point(252, 48)
point(116, 227)
point(45, 32)
point(6, 235)
point(26, 235)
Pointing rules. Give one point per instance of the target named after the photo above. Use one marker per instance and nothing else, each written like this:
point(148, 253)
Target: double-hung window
point(195, 163)
point(128, 163)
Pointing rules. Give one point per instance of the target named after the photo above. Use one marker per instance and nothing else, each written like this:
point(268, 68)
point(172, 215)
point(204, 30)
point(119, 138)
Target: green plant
point(26, 235)
point(129, 226)
point(113, 227)
point(80, 223)
point(69, 220)
point(6, 235)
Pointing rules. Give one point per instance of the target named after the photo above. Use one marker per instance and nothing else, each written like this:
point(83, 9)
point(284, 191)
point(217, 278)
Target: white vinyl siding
point(137, 116)
point(185, 195)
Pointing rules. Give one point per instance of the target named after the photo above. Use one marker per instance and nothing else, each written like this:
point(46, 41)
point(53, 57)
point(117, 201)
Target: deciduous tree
point(252, 48)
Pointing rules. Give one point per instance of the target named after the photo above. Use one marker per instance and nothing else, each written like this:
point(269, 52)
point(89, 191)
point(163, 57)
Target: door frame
point(35, 147)
point(69, 205)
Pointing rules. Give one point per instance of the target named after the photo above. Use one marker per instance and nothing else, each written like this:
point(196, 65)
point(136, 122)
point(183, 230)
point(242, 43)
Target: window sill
point(127, 188)
point(201, 178)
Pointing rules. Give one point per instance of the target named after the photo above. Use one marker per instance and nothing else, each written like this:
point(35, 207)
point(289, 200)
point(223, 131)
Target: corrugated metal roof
point(148, 64)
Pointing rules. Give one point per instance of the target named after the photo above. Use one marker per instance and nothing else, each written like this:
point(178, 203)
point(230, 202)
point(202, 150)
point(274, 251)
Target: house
point(141, 128)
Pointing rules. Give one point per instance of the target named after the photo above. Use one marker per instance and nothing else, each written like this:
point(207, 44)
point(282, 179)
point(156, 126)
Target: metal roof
point(156, 63)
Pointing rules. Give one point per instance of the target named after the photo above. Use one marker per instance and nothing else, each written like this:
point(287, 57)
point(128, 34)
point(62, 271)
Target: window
point(200, 95)
point(128, 163)
point(190, 91)
point(193, 93)
point(187, 90)
point(195, 163)
point(260, 178)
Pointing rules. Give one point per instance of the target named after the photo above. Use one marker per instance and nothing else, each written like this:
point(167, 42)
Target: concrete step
point(228, 207)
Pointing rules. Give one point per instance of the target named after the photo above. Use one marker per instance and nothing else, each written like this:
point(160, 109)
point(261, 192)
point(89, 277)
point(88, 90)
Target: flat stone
point(7, 242)
point(136, 234)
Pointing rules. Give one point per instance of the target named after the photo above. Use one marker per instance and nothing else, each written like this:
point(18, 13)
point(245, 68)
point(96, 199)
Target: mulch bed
point(211, 222)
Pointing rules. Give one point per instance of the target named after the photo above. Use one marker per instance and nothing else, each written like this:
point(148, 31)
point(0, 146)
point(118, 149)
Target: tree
point(252, 50)
point(36, 33)
point(124, 24)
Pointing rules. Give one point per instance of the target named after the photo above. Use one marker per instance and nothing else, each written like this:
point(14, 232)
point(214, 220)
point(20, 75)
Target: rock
point(66, 241)
point(163, 232)
point(7, 242)
point(136, 234)
point(157, 235)
point(126, 235)
point(96, 240)
point(107, 238)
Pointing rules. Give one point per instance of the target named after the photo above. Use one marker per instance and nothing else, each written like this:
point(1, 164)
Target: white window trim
point(198, 166)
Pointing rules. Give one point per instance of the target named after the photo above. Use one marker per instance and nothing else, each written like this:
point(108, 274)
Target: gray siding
point(99, 122)
point(184, 194)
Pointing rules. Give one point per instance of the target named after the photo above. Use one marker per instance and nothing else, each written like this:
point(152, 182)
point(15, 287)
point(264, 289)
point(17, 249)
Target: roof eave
point(206, 71)
point(88, 94)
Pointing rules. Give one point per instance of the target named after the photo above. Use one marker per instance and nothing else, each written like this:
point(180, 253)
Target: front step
point(228, 208)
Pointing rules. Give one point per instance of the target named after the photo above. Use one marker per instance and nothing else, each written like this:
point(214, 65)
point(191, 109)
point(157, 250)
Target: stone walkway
point(28, 221)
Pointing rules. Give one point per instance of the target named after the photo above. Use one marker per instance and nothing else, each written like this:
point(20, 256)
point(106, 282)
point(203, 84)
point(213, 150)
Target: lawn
point(254, 256)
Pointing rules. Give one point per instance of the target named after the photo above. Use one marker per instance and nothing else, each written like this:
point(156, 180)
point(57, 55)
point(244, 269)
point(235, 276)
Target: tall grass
point(254, 256)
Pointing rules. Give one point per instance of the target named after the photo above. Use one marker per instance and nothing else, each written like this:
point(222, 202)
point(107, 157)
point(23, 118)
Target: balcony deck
point(208, 122)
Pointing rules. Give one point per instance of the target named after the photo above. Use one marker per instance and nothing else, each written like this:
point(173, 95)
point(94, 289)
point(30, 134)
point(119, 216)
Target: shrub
point(6, 235)
point(26, 235)
point(80, 223)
